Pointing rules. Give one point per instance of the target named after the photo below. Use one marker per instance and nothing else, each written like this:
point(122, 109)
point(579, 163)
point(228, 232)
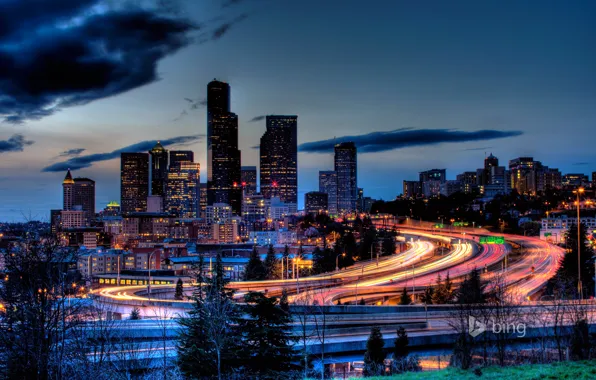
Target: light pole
point(149, 282)
point(337, 260)
point(579, 276)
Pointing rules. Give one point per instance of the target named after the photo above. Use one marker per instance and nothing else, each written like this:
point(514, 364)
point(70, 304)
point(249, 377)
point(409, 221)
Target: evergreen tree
point(388, 246)
point(205, 344)
point(179, 294)
point(443, 292)
point(471, 290)
point(283, 301)
point(135, 314)
point(267, 345)
point(448, 289)
point(568, 268)
point(270, 264)
point(323, 260)
point(400, 345)
point(362, 303)
point(405, 298)
point(374, 355)
point(255, 270)
point(427, 296)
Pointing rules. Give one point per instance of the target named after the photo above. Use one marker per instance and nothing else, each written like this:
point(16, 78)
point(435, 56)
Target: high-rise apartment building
point(134, 182)
point(347, 181)
point(249, 179)
point(328, 185)
point(223, 156)
point(431, 181)
point(279, 158)
point(159, 169)
point(183, 190)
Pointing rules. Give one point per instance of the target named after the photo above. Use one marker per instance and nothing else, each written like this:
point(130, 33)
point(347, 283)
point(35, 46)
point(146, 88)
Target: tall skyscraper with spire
point(223, 156)
point(159, 169)
point(346, 171)
point(79, 193)
point(134, 182)
point(279, 158)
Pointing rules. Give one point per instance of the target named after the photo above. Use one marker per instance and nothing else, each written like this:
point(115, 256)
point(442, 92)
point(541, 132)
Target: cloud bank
point(404, 138)
point(86, 161)
point(16, 143)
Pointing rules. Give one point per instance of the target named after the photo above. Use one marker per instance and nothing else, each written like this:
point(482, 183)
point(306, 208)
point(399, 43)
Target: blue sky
point(346, 68)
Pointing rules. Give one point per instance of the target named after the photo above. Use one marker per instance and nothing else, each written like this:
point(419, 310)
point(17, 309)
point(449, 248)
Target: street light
point(337, 261)
point(149, 265)
point(579, 276)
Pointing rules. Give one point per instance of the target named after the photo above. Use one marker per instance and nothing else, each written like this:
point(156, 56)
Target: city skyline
point(510, 84)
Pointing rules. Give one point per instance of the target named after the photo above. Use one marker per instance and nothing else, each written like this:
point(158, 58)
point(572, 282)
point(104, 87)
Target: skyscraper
point(279, 158)
point(183, 190)
point(134, 182)
point(223, 156)
point(328, 185)
point(249, 179)
point(347, 181)
point(79, 193)
point(159, 169)
point(177, 156)
point(315, 202)
point(431, 181)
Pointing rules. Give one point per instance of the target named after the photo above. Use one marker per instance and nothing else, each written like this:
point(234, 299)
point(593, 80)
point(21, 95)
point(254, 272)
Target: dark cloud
point(198, 104)
point(406, 137)
point(230, 3)
point(72, 152)
point(257, 118)
point(16, 143)
point(221, 30)
point(255, 147)
point(56, 54)
point(143, 146)
point(580, 163)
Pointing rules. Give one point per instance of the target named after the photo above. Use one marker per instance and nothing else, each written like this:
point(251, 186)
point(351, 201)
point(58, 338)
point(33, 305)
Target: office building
point(347, 181)
point(134, 182)
point(79, 192)
point(218, 213)
point(177, 156)
point(159, 169)
point(279, 159)
point(183, 190)
point(254, 208)
point(315, 202)
point(155, 203)
point(468, 181)
point(223, 156)
point(249, 179)
point(328, 185)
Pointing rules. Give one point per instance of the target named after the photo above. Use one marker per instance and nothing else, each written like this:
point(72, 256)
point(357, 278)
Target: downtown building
point(279, 159)
point(529, 176)
point(431, 181)
point(134, 182)
point(315, 202)
point(159, 169)
point(249, 180)
point(347, 182)
point(183, 190)
point(78, 194)
point(223, 156)
point(328, 185)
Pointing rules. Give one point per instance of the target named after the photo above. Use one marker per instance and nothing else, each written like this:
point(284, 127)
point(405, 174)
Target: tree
point(267, 343)
point(255, 270)
point(569, 264)
point(388, 247)
point(179, 295)
point(400, 345)
point(135, 314)
point(283, 301)
point(270, 264)
point(374, 355)
point(207, 343)
point(323, 260)
point(443, 292)
point(471, 290)
point(37, 321)
point(427, 296)
point(405, 298)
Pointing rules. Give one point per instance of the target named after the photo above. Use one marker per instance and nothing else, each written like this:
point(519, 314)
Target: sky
point(418, 85)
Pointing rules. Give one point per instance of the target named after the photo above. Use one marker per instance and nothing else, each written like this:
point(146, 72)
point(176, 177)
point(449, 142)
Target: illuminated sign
point(492, 240)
